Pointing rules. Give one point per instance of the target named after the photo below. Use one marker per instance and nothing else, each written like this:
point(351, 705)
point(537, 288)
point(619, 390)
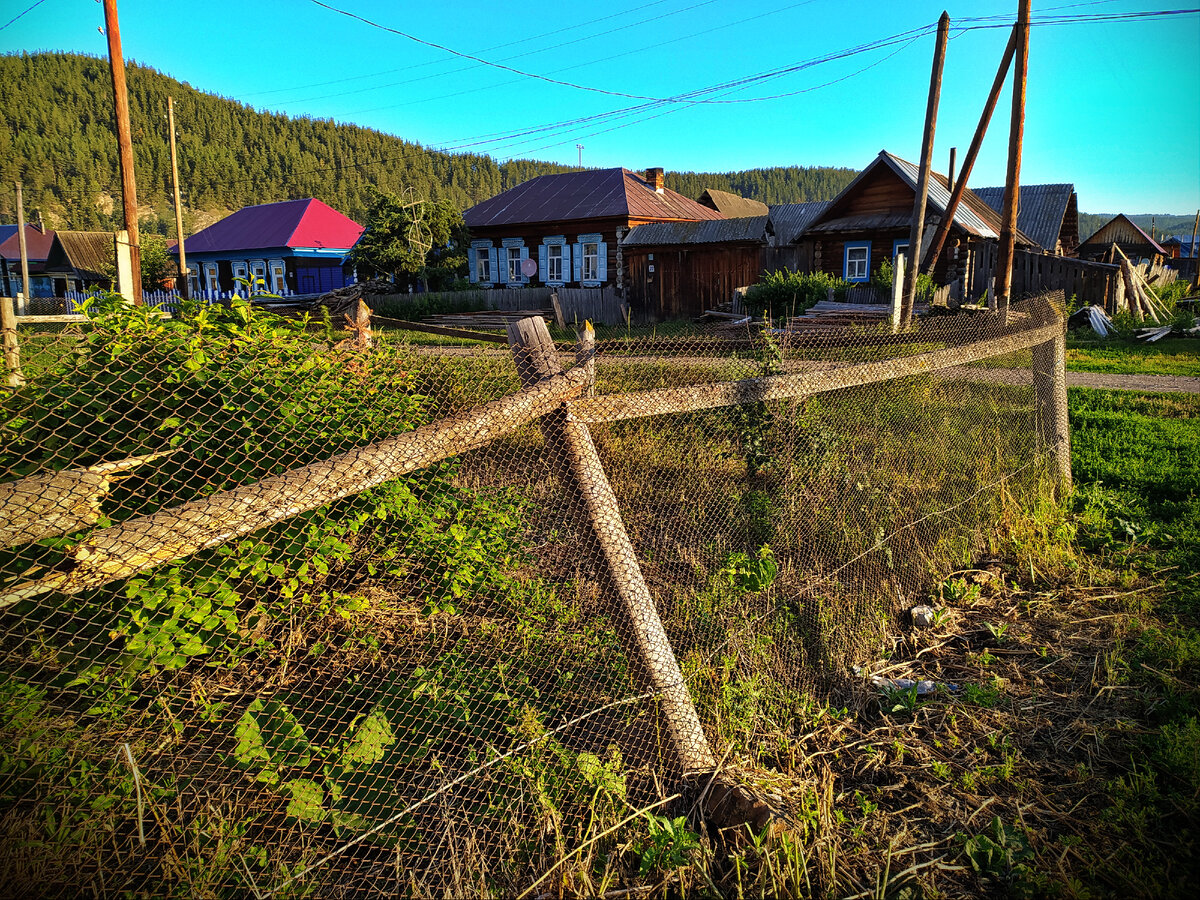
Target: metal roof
point(790, 220)
point(972, 215)
point(291, 223)
point(732, 205)
point(719, 231)
point(591, 194)
point(1040, 209)
point(37, 243)
point(91, 254)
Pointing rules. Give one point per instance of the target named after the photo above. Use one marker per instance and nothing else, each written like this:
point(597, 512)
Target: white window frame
point(241, 269)
point(899, 246)
point(277, 276)
point(590, 267)
point(554, 261)
point(856, 275)
point(483, 262)
point(512, 265)
point(212, 275)
point(259, 270)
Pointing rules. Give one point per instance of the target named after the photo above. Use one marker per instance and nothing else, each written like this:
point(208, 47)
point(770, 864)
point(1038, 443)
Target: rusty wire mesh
point(442, 683)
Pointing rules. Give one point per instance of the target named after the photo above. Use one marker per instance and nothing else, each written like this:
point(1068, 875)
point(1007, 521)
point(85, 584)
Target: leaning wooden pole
point(1012, 181)
point(185, 288)
point(917, 228)
point(124, 145)
point(960, 183)
point(26, 290)
point(643, 631)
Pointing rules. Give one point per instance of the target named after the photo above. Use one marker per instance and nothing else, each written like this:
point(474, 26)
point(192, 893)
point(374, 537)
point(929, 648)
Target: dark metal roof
point(719, 231)
point(1040, 209)
point(92, 255)
point(1185, 244)
point(591, 194)
point(731, 205)
point(291, 223)
point(791, 220)
point(865, 222)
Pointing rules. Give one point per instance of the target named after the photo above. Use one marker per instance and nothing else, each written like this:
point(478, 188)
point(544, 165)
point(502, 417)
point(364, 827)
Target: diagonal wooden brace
point(646, 639)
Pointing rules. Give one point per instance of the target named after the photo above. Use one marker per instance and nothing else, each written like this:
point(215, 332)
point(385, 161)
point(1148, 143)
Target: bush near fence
point(431, 685)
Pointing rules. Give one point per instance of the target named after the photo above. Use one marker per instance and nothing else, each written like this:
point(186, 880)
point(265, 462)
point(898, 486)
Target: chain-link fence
point(284, 615)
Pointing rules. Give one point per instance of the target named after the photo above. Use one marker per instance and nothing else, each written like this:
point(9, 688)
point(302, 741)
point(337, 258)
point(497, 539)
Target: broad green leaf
point(371, 739)
point(308, 798)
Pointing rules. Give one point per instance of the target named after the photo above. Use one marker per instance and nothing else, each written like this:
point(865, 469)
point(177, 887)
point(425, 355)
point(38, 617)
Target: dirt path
point(1187, 384)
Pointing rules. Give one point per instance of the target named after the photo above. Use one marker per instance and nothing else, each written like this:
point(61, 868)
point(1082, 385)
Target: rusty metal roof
point(1040, 209)
point(790, 220)
point(731, 205)
point(92, 255)
point(719, 231)
point(591, 194)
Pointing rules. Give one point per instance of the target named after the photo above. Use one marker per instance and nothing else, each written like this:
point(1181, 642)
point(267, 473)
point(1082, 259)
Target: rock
point(922, 616)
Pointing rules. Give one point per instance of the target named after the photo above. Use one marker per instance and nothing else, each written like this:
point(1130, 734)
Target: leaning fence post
point(586, 356)
point(12, 349)
point(1050, 385)
point(646, 639)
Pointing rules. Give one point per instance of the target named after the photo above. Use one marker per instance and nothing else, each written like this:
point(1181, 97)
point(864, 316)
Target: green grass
point(1170, 356)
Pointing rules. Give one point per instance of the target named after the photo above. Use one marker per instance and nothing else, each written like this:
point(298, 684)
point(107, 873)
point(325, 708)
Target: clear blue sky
point(1111, 106)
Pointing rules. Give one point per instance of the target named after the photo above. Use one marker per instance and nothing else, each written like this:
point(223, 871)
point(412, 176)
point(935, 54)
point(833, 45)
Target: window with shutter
point(857, 265)
point(473, 265)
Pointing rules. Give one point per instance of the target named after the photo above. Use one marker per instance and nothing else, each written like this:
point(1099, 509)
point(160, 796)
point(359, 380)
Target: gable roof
point(714, 231)
point(91, 254)
point(1185, 244)
point(591, 194)
point(973, 215)
point(1124, 228)
point(730, 204)
point(292, 223)
point(1040, 209)
point(37, 243)
point(790, 220)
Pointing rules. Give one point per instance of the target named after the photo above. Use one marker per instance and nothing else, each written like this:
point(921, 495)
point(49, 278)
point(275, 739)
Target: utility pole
point(916, 230)
point(185, 287)
point(1195, 226)
point(124, 144)
point(960, 183)
point(579, 147)
point(950, 171)
point(1012, 181)
point(23, 300)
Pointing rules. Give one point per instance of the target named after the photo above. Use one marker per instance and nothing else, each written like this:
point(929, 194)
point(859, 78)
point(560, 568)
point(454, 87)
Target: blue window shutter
point(602, 261)
point(473, 265)
point(524, 256)
point(494, 264)
point(578, 269)
point(542, 264)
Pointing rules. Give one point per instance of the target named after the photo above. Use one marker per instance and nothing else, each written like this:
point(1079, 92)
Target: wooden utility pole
point(184, 287)
point(1012, 181)
point(1195, 226)
point(124, 143)
point(917, 229)
point(23, 301)
point(960, 184)
point(950, 171)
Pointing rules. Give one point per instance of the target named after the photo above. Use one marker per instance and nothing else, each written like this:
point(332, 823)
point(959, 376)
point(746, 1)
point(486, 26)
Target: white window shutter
point(473, 265)
point(578, 269)
point(602, 261)
point(543, 266)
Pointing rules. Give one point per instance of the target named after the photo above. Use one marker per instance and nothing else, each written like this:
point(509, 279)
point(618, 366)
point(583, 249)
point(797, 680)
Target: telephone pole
point(124, 144)
point(1012, 182)
point(579, 147)
point(23, 302)
point(185, 287)
point(917, 228)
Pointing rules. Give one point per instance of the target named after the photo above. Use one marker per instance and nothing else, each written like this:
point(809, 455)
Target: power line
point(28, 9)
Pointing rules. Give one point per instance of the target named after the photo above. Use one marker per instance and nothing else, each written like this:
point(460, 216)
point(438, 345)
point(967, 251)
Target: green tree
point(412, 240)
point(156, 262)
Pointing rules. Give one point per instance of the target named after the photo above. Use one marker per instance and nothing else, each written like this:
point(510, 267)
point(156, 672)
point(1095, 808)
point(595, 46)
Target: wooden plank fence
point(601, 306)
point(1036, 273)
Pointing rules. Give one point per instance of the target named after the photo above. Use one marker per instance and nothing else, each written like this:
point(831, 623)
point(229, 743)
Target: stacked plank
point(488, 320)
point(830, 316)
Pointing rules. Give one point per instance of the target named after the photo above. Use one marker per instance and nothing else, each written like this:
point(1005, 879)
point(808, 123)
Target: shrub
point(885, 275)
point(787, 293)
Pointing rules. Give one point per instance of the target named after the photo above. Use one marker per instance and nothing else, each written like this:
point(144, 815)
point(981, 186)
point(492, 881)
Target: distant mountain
point(56, 136)
point(1162, 223)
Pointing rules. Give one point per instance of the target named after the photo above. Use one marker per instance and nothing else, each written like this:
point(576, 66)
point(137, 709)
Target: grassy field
point(1169, 356)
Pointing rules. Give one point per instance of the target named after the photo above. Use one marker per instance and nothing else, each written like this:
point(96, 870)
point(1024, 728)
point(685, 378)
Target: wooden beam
point(916, 230)
point(647, 645)
point(441, 329)
point(148, 541)
point(1012, 181)
point(785, 387)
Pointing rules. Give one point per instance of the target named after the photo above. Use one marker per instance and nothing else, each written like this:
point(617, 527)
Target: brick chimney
point(654, 178)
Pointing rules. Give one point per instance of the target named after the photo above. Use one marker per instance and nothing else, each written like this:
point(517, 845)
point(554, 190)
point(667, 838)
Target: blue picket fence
point(167, 301)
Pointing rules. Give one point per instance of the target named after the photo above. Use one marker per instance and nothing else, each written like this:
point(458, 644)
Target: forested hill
point(56, 136)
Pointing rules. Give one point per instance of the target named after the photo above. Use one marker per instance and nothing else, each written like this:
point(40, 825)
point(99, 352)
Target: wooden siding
point(688, 280)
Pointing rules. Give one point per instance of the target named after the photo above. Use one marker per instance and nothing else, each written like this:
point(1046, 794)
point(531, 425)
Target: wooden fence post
point(1050, 385)
point(586, 356)
point(643, 633)
point(12, 349)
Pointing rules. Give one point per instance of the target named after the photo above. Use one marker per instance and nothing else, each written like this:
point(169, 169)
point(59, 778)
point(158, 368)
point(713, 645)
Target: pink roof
point(37, 243)
point(293, 223)
point(591, 194)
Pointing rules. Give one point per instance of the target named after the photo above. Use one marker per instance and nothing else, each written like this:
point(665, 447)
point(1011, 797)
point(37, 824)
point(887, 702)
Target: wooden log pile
point(491, 319)
point(830, 315)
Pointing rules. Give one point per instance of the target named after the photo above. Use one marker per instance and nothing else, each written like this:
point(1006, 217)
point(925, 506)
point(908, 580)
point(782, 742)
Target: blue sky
point(1110, 105)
